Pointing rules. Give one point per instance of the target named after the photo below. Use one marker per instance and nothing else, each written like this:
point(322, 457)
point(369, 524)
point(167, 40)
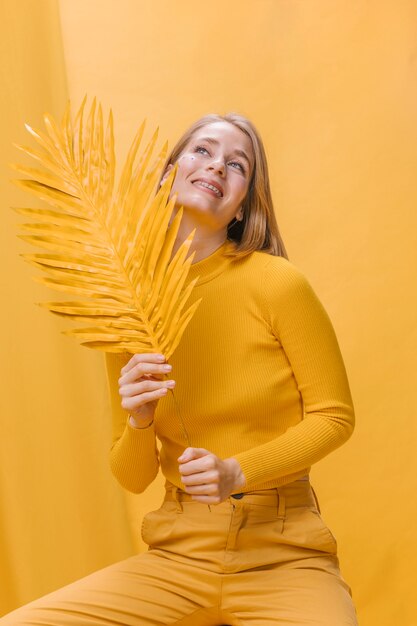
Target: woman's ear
point(167, 171)
point(239, 214)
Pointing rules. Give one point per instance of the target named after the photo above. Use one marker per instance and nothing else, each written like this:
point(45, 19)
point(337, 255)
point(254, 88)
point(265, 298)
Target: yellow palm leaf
point(111, 246)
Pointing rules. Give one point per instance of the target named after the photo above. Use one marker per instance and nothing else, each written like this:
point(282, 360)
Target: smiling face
point(213, 176)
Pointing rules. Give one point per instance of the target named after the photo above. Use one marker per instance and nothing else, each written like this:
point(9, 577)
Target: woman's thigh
point(143, 590)
point(308, 593)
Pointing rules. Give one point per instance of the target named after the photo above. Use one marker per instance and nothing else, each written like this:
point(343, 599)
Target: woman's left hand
point(207, 478)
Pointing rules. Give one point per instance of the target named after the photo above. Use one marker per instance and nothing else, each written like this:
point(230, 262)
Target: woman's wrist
point(239, 479)
point(140, 422)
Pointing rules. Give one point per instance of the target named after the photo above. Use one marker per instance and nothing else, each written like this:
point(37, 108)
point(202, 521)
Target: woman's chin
point(195, 206)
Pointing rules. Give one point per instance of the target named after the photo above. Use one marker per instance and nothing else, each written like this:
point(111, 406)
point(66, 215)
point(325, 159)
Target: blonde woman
point(263, 394)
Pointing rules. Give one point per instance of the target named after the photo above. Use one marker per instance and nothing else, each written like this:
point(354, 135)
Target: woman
point(262, 392)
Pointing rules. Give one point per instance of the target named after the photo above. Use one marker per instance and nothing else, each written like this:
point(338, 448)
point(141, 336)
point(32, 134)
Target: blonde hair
point(258, 229)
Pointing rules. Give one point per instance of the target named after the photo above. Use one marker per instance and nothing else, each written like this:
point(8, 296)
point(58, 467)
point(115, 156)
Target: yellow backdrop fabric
point(62, 516)
point(332, 88)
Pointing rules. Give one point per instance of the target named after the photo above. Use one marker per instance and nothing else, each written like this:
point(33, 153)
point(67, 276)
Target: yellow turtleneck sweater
point(259, 377)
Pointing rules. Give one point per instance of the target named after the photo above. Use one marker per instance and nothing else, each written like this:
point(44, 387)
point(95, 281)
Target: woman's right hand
point(141, 385)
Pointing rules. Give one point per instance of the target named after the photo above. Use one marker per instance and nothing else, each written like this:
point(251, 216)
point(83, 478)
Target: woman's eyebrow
point(237, 151)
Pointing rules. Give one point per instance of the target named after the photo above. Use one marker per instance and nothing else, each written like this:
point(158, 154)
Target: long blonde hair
point(258, 230)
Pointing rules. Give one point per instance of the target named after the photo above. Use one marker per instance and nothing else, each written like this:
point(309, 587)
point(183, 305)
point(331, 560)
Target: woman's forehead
point(225, 133)
point(223, 130)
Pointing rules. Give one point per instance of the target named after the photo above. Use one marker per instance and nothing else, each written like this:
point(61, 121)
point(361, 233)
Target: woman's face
point(213, 176)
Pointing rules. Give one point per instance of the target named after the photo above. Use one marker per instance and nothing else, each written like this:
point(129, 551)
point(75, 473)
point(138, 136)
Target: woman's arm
point(134, 458)
point(303, 328)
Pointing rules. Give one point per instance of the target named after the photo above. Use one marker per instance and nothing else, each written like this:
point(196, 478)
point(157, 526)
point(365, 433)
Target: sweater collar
point(212, 265)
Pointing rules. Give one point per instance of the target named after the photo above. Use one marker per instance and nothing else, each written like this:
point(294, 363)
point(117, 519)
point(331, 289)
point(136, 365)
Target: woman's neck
point(204, 242)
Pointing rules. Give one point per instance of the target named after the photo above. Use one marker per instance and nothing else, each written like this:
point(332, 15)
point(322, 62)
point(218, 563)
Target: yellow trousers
point(261, 559)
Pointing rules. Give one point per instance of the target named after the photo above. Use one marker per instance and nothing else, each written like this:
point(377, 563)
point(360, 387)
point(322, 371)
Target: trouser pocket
point(305, 527)
point(158, 526)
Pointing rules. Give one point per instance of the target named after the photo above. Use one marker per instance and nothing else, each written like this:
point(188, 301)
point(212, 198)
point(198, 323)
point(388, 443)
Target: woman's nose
point(218, 166)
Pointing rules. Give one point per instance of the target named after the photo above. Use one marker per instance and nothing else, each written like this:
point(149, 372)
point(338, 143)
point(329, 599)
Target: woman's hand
point(207, 478)
point(141, 386)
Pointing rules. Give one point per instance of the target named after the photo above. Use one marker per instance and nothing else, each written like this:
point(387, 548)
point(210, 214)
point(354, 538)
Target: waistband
point(295, 493)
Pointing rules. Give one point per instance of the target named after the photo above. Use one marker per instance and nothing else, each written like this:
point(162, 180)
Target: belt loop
point(280, 509)
point(176, 499)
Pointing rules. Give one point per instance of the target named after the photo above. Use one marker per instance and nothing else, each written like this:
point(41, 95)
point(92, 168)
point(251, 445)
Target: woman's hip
point(255, 529)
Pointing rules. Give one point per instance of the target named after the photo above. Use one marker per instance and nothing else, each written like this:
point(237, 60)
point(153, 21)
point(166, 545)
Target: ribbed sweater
point(259, 377)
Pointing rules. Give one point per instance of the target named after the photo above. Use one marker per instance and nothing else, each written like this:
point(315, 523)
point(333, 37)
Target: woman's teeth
point(208, 186)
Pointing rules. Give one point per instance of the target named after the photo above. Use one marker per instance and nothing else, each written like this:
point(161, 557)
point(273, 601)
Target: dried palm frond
point(111, 247)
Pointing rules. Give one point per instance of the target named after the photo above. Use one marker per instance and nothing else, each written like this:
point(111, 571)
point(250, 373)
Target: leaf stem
point(184, 430)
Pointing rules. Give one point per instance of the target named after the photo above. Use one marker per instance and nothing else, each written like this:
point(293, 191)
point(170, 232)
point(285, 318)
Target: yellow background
point(331, 85)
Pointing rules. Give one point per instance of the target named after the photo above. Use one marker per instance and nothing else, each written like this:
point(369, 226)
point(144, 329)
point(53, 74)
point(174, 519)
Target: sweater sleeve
point(303, 328)
point(134, 458)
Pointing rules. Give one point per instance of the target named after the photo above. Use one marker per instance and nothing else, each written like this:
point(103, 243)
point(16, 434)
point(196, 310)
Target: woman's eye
point(200, 148)
point(242, 169)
